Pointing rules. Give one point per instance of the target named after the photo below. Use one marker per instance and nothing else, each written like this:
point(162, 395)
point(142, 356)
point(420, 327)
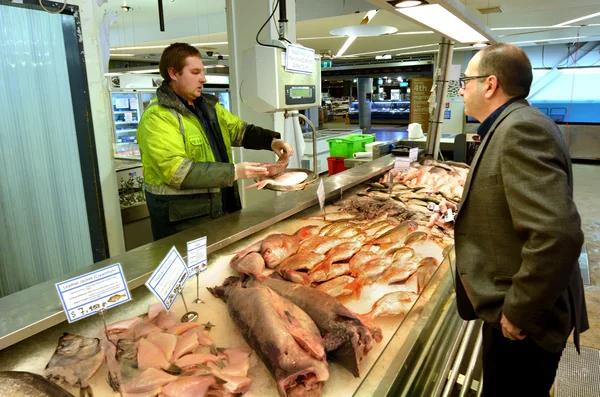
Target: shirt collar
point(484, 128)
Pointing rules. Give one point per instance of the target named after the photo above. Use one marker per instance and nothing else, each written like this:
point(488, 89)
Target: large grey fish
point(347, 339)
point(76, 360)
point(284, 337)
point(16, 383)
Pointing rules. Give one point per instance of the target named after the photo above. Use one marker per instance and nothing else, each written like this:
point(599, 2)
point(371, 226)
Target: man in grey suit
point(517, 233)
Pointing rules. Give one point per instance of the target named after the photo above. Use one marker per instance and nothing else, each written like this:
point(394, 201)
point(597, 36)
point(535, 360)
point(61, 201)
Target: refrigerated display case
point(386, 112)
point(126, 116)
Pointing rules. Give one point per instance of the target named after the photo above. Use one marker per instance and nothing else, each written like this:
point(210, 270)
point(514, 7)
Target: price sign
point(170, 274)
point(299, 59)
point(196, 255)
point(85, 295)
point(321, 194)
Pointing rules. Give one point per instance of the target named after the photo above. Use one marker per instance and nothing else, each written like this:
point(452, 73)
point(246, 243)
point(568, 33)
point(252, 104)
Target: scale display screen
point(298, 95)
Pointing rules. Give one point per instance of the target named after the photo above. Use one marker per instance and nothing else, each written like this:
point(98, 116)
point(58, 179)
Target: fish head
point(274, 256)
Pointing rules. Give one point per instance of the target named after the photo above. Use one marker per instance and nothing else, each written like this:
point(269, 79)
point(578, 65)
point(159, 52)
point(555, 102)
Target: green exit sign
point(326, 64)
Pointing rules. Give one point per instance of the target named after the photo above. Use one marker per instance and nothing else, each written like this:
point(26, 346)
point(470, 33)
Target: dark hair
point(510, 65)
point(174, 56)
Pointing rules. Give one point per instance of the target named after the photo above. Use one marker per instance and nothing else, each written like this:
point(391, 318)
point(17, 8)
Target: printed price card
point(85, 295)
point(170, 274)
point(321, 194)
point(299, 59)
point(196, 255)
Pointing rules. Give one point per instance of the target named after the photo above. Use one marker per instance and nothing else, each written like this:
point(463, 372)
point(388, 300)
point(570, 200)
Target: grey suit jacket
point(518, 233)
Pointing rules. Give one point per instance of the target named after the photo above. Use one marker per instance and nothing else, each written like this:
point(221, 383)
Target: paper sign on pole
point(168, 277)
point(196, 255)
point(86, 295)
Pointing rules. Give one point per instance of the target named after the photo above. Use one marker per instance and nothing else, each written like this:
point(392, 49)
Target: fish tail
point(355, 286)
point(260, 184)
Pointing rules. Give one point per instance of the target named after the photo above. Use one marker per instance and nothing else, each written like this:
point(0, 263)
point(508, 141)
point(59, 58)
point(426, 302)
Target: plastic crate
point(347, 146)
point(335, 165)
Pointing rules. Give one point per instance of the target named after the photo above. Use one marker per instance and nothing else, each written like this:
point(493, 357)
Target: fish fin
point(355, 286)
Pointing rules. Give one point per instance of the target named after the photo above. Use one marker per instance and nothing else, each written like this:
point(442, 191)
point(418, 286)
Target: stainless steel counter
point(38, 308)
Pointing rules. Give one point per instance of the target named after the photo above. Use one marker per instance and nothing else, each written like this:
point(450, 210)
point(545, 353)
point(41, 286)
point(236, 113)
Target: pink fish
point(287, 179)
point(191, 386)
point(151, 356)
point(185, 344)
point(252, 264)
point(166, 343)
point(150, 379)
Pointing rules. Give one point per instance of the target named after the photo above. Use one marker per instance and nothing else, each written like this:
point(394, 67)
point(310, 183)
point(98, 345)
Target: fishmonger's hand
point(438, 217)
point(282, 148)
point(249, 170)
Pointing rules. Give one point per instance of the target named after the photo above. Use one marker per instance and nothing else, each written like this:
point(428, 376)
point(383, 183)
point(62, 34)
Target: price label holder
point(168, 279)
point(93, 293)
point(299, 59)
point(196, 257)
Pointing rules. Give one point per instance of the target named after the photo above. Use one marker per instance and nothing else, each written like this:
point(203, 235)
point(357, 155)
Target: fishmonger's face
point(191, 79)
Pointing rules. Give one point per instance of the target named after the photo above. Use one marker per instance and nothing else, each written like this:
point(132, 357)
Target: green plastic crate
point(347, 146)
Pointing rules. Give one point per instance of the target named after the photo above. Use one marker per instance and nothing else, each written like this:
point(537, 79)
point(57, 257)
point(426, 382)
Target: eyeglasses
point(462, 81)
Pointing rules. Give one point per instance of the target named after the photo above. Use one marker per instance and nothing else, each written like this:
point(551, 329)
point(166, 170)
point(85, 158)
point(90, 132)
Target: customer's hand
point(511, 331)
point(282, 148)
point(249, 170)
point(438, 219)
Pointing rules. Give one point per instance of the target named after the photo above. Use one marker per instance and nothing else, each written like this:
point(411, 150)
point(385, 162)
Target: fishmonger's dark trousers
point(516, 368)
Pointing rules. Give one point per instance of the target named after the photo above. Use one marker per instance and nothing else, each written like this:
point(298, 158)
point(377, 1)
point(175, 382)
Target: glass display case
point(126, 116)
point(392, 111)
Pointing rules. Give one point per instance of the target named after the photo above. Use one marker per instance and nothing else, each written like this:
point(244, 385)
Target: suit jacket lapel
point(512, 107)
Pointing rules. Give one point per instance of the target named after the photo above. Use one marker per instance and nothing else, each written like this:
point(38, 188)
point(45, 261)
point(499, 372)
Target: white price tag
point(170, 274)
point(133, 103)
point(321, 194)
point(128, 117)
point(413, 154)
point(401, 164)
point(299, 59)
point(196, 255)
point(85, 295)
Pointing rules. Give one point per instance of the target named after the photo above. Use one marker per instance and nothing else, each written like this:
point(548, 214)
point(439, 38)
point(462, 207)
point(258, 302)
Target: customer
point(185, 139)
point(517, 232)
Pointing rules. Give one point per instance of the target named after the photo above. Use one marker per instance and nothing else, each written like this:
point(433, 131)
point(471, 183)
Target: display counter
point(32, 319)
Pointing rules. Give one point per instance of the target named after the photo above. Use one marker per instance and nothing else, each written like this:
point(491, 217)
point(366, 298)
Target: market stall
point(33, 322)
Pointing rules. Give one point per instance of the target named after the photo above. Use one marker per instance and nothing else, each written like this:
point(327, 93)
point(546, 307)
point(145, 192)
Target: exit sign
point(326, 64)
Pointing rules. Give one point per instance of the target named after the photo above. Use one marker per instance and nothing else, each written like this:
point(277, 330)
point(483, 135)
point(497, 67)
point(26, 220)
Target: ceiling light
point(347, 44)
point(479, 45)
point(558, 39)
point(384, 56)
point(408, 3)
point(144, 71)
point(440, 19)
point(534, 27)
point(491, 10)
point(122, 55)
point(125, 6)
point(578, 19)
point(363, 30)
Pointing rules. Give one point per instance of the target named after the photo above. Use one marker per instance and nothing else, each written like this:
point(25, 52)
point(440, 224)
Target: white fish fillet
point(287, 179)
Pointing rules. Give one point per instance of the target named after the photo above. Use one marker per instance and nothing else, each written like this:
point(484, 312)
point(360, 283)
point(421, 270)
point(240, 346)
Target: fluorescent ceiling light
point(363, 30)
point(580, 70)
point(536, 27)
point(579, 19)
point(440, 19)
point(408, 3)
point(351, 39)
point(385, 56)
point(558, 39)
point(391, 50)
point(409, 33)
point(479, 45)
point(318, 38)
point(122, 55)
point(347, 44)
point(148, 47)
point(144, 71)
point(417, 52)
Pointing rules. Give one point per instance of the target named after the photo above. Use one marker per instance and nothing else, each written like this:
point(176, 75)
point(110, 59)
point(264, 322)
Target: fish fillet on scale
point(288, 179)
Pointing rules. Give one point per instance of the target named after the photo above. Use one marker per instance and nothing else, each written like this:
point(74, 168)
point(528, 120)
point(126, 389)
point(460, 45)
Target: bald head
point(510, 65)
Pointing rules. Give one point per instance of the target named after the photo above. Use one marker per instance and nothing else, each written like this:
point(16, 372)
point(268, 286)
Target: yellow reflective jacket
point(171, 139)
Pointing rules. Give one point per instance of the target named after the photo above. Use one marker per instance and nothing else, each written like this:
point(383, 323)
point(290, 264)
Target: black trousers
point(516, 368)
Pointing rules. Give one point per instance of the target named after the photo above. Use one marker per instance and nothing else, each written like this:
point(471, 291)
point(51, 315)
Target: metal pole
point(471, 368)
point(458, 360)
point(161, 16)
point(365, 86)
point(442, 73)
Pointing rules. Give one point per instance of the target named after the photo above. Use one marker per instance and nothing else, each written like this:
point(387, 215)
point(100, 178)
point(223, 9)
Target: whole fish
point(342, 252)
point(281, 334)
point(338, 286)
point(347, 340)
point(335, 216)
point(398, 233)
point(288, 179)
point(426, 269)
point(330, 271)
point(301, 261)
point(17, 383)
point(400, 270)
point(75, 360)
point(274, 169)
point(393, 304)
point(252, 264)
